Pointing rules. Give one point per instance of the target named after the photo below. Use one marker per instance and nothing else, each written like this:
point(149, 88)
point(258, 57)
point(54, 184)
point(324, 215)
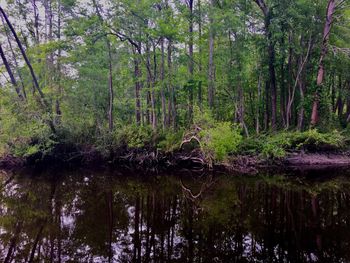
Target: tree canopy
point(85, 70)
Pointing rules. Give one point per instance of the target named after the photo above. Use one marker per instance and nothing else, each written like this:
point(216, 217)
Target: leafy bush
point(32, 137)
point(170, 141)
point(24, 130)
point(221, 140)
point(203, 119)
point(275, 146)
point(251, 145)
point(135, 136)
point(271, 150)
point(314, 140)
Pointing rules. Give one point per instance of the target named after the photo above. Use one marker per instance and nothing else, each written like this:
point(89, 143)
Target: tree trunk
point(43, 101)
point(36, 35)
point(151, 82)
point(110, 87)
point(171, 90)
point(110, 70)
point(211, 83)
point(324, 50)
point(14, 58)
point(10, 73)
point(191, 62)
point(301, 107)
point(35, 80)
point(272, 73)
point(271, 58)
point(257, 124)
point(59, 88)
point(267, 106)
point(162, 79)
point(137, 75)
point(200, 66)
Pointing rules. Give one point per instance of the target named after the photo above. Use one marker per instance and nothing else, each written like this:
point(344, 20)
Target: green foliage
point(314, 140)
point(274, 147)
point(134, 136)
point(170, 141)
point(203, 118)
point(277, 145)
point(147, 62)
point(220, 141)
point(22, 136)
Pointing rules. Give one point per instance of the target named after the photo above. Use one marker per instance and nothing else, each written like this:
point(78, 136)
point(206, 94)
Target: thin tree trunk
point(151, 82)
point(191, 62)
point(324, 50)
point(302, 63)
point(137, 75)
point(171, 90)
point(36, 22)
point(14, 57)
point(162, 79)
point(257, 127)
point(35, 80)
point(110, 70)
point(273, 84)
point(59, 89)
point(211, 83)
point(10, 73)
point(200, 66)
point(110, 87)
point(271, 58)
point(301, 113)
point(267, 106)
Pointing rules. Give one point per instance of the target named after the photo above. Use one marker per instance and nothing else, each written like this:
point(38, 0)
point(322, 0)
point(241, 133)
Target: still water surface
point(119, 217)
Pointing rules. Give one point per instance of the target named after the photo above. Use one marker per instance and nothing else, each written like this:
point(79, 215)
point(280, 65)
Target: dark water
point(119, 217)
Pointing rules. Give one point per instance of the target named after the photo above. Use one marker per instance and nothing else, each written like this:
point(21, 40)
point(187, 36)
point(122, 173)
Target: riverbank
point(195, 159)
point(221, 148)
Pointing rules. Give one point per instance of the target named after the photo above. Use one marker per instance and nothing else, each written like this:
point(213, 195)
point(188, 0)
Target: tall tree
point(267, 12)
point(331, 7)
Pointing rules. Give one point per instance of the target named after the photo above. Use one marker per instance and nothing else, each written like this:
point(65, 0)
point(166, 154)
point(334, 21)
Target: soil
point(317, 159)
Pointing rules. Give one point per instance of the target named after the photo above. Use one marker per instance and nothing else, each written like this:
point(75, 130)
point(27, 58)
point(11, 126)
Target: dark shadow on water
point(118, 216)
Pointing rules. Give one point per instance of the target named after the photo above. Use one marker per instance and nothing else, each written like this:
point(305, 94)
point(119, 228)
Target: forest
point(236, 77)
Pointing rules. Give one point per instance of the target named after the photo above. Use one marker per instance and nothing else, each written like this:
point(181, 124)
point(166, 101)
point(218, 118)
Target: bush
point(135, 136)
point(276, 146)
point(314, 140)
point(272, 150)
point(32, 137)
point(203, 119)
point(220, 141)
point(170, 141)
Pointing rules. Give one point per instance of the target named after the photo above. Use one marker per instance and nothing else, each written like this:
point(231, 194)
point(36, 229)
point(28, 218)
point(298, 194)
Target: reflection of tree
point(163, 219)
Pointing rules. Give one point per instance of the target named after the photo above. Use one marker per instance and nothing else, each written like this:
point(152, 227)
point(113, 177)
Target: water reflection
point(85, 217)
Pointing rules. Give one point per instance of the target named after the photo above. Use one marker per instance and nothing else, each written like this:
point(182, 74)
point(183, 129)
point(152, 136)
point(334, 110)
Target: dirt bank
point(336, 159)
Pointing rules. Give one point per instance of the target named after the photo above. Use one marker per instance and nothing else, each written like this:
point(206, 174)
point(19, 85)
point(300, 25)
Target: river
point(124, 216)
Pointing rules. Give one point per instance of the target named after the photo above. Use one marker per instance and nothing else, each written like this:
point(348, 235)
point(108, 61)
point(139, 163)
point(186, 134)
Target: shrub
point(271, 150)
point(32, 137)
point(314, 140)
point(275, 146)
point(203, 119)
point(221, 140)
point(170, 141)
point(135, 136)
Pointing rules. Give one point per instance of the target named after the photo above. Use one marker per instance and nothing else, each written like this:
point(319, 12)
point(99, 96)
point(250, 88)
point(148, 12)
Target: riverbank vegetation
point(207, 78)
